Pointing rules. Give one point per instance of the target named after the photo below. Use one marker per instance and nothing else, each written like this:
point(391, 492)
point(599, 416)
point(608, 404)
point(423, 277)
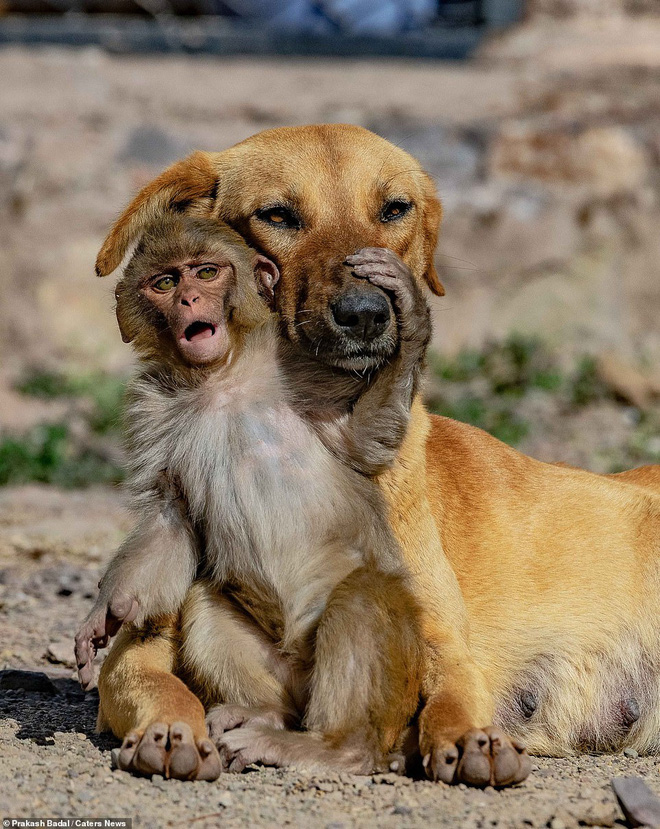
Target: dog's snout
point(362, 315)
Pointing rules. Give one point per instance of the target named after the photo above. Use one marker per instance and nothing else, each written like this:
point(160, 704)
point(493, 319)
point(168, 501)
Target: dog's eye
point(394, 209)
point(279, 216)
point(166, 283)
point(207, 272)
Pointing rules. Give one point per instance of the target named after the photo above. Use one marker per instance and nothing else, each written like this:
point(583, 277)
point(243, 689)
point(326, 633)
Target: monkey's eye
point(279, 216)
point(395, 209)
point(207, 272)
point(166, 283)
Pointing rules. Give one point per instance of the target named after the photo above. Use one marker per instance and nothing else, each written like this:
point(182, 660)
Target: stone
point(61, 653)
point(34, 681)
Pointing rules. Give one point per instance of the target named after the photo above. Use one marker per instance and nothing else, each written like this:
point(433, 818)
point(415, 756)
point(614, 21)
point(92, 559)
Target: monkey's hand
point(103, 622)
point(383, 268)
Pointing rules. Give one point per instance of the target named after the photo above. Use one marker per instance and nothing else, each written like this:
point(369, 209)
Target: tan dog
point(538, 582)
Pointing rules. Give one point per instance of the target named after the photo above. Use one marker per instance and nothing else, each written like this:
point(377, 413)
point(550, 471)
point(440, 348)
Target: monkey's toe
point(481, 757)
point(222, 718)
point(243, 747)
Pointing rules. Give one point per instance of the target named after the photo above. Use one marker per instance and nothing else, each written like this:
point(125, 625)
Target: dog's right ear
point(187, 186)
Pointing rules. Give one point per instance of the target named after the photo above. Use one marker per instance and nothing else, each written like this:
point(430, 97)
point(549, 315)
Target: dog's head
point(308, 197)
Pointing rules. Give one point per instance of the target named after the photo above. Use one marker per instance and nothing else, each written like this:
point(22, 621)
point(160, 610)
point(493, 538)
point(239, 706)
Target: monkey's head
point(191, 290)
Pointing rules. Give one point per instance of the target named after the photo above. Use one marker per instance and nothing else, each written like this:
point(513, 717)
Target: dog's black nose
point(363, 315)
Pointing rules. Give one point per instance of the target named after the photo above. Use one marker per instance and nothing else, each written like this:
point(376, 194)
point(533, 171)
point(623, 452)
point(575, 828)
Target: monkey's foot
point(244, 746)
point(226, 717)
point(171, 751)
point(482, 757)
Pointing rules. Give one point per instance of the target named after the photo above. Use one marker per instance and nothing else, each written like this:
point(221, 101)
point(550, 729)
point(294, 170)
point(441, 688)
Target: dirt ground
point(52, 763)
point(546, 154)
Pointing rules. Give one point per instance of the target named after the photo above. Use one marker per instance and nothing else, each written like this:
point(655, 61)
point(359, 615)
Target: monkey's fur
point(301, 613)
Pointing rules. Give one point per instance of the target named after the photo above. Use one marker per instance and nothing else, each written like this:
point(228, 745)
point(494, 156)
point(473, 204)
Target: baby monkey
point(258, 520)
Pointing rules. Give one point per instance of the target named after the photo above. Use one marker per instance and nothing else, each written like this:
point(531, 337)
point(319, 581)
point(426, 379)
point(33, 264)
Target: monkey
point(258, 516)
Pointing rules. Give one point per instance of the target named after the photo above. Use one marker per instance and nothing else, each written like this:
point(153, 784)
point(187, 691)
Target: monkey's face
point(193, 297)
point(191, 291)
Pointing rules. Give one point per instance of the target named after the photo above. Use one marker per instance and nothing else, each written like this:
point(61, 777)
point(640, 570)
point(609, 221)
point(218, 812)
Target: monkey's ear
point(186, 184)
point(432, 218)
point(267, 275)
point(123, 317)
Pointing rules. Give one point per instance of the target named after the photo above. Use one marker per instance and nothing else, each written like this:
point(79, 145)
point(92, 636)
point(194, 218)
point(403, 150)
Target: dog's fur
point(538, 583)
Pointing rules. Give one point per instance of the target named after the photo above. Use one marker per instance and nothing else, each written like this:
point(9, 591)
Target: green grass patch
point(49, 454)
point(104, 391)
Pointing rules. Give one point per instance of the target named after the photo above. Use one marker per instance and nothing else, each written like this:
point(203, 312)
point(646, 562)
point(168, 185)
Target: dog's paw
point(171, 751)
point(481, 757)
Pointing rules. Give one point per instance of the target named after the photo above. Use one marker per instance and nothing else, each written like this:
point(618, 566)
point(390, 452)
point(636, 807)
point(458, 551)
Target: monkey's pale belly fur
point(269, 498)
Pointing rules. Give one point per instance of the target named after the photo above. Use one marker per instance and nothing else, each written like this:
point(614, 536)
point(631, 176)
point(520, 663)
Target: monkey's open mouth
point(199, 331)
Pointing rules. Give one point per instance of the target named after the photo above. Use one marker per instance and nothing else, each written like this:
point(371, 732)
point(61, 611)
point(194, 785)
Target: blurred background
point(539, 120)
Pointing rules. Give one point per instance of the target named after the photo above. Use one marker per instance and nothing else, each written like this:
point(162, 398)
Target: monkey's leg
point(365, 684)
point(234, 666)
point(149, 575)
point(159, 719)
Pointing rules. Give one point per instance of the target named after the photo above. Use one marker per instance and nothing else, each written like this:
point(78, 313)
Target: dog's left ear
point(432, 214)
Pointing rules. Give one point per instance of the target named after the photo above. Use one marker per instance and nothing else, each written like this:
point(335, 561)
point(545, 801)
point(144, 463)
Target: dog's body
point(538, 583)
point(560, 571)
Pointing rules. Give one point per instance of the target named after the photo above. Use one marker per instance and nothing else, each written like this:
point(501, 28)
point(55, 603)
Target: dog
point(537, 582)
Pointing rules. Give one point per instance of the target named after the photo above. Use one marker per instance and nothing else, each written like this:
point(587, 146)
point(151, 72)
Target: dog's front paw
point(481, 757)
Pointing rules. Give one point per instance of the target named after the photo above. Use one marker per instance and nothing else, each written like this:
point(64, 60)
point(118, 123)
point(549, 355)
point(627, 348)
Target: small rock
point(61, 653)
point(557, 823)
point(36, 681)
point(401, 809)
point(225, 800)
point(630, 752)
point(598, 814)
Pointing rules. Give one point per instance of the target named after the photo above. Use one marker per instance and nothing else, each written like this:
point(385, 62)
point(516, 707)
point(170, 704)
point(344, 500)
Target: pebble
point(225, 800)
point(630, 752)
point(599, 814)
point(61, 653)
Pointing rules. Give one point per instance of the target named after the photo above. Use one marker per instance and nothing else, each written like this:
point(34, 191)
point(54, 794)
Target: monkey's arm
point(369, 437)
point(149, 575)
